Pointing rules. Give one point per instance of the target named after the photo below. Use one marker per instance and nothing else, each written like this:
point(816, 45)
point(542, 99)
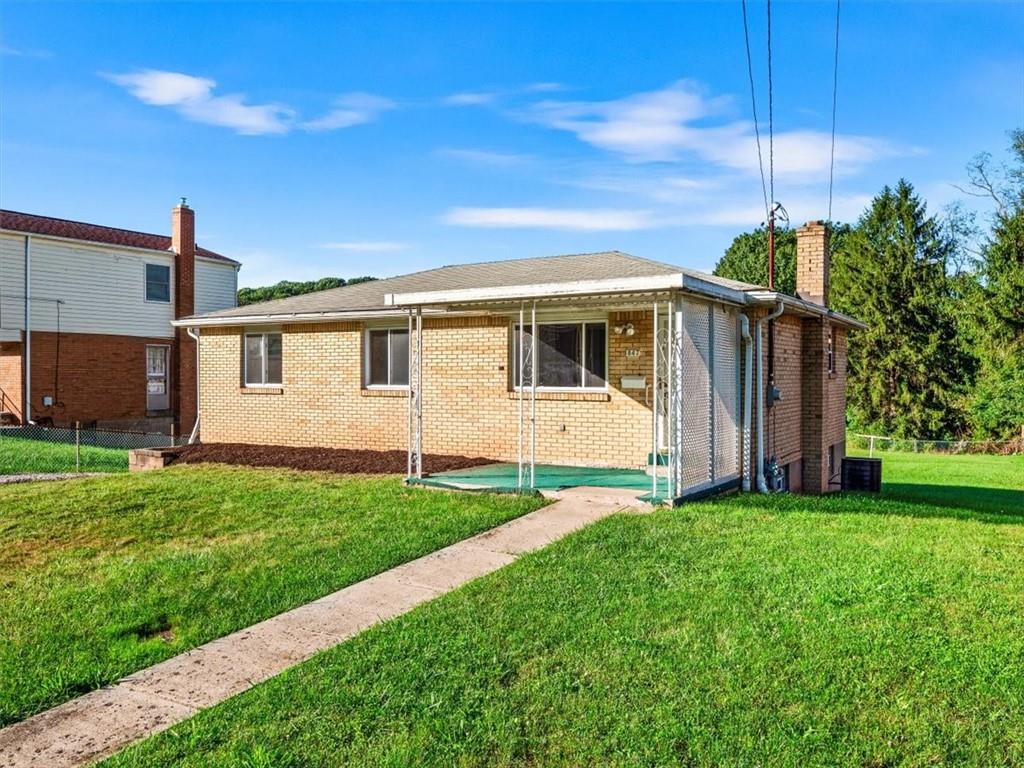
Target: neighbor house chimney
point(183, 243)
point(812, 262)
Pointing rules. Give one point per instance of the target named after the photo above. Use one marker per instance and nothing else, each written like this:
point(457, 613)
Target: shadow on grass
point(1005, 504)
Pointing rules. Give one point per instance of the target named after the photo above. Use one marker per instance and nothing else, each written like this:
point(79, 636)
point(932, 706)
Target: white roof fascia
point(771, 297)
point(671, 281)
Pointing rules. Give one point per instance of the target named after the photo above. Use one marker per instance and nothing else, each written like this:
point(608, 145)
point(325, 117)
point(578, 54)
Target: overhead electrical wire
point(835, 93)
point(771, 115)
point(753, 108)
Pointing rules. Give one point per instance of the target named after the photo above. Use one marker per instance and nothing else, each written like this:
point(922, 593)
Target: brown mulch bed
point(342, 460)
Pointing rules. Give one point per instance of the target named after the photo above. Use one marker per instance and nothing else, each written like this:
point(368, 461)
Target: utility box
point(633, 382)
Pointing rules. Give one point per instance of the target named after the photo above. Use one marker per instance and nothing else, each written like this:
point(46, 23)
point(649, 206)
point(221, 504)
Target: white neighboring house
point(91, 307)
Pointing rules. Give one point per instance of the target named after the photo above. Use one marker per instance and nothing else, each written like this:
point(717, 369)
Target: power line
point(753, 108)
point(771, 115)
point(835, 92)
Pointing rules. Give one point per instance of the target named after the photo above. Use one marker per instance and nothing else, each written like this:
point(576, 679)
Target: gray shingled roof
point(491, 274)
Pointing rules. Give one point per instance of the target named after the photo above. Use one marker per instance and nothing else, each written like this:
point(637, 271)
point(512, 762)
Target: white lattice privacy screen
point(707, 436)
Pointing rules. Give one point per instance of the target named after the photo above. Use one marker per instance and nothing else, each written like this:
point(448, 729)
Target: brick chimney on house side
point(183, 243)
point(812, 262)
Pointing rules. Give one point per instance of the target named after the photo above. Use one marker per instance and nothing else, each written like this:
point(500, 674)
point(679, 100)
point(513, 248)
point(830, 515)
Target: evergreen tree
point(997, 407)
point(908, 375)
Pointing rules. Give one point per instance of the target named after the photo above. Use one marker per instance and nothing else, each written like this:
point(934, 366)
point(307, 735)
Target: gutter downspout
point(748, 354)
point(194, 333)
point(27, 415)
point(762, 486)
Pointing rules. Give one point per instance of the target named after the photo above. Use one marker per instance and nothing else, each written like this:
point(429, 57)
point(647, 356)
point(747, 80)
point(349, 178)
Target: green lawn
point(101, 577)
point(744, 631)
point(19, 456)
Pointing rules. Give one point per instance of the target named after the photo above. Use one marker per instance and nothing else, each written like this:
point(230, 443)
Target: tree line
point(943, 295)
point(287, 288)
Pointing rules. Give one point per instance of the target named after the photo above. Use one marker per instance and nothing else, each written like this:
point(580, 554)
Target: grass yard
point(20, 456)
point(101, 577)
point(744, 631)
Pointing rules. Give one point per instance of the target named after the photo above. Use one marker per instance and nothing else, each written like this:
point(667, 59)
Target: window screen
point(262, 359)
point(388, 358)
point(569, 355)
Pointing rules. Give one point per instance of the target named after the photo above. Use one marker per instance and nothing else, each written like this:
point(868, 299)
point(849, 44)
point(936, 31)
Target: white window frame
point(831, 351)
point(580, 321)
point(145, 282)
point(366, 356)
point(263, 349)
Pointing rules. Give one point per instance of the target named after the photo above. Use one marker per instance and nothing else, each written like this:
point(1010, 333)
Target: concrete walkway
point(100, 723)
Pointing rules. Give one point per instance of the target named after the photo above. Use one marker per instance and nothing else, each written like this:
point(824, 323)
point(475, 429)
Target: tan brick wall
point(467, 404)
point(812, 262)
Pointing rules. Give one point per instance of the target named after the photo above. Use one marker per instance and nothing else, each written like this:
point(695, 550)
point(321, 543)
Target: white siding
point(216, 286)
point(102, 287)
point(12, 282)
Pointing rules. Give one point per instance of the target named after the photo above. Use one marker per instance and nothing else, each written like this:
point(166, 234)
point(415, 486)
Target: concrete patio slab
point(95, 725)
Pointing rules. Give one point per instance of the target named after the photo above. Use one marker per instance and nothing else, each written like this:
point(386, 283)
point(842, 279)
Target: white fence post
point(78, 446)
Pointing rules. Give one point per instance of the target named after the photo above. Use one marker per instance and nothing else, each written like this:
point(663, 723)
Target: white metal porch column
point(526, 357)
point(415, 444)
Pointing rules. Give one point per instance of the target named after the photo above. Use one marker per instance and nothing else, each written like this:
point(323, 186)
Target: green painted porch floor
point(549, 477)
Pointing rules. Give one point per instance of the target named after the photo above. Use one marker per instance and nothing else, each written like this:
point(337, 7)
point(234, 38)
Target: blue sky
point(379, 138)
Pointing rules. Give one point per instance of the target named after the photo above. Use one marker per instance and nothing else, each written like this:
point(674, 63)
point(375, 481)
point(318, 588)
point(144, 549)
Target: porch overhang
point(616, 289)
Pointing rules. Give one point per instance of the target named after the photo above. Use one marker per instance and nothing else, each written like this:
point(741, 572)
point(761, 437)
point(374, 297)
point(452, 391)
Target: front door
point(158, 391)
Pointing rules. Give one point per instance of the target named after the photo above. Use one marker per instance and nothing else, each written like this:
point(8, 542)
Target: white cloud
point(351, 109)
point(484, 156)
point(589, 220)
point(193, 98)
point(675, 123)
point(546, 87)
point(25, 53)
point(366, 246)
point(470, 98)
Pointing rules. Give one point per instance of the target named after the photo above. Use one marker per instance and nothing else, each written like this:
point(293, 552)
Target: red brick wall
point(11, 378)
point(100, 377)
point(183, 243)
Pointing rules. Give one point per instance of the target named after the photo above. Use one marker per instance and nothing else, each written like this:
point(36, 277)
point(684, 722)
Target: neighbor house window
point(158, 282)
point(387, 357)
point(832, 349)
point(262, 359)
point(569, 355)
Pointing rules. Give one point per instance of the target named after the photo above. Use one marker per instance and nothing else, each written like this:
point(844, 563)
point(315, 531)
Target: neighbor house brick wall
point(100, 377)
point(11, 379)
point(468, 406)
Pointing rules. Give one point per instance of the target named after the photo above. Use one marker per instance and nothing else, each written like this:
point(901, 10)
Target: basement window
point(387, 358)
point(569, 355)
point(262, 360)
point(158, 283)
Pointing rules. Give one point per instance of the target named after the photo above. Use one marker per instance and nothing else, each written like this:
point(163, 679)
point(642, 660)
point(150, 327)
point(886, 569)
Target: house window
point(831, 349)
point(262, 359)
point(569, 355)
point(158, 283)
point(387, 357)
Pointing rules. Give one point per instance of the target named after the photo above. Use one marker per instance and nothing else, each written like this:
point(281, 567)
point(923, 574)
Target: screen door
point(158, 393)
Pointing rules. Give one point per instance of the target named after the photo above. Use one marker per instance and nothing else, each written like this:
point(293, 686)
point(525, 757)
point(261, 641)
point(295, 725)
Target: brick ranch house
point(85, 321)
point(601, 359)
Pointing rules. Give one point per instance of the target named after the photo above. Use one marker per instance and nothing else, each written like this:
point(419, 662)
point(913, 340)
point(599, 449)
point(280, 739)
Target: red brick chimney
point(812, 262)
point(183, 243)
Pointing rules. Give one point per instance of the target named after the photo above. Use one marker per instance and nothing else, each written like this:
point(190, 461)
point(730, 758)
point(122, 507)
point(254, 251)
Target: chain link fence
point(881, 443)
point(33, 449)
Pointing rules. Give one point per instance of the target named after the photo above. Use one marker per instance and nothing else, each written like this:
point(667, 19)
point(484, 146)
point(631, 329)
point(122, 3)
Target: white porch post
point(522, 386)
point(533, 395)
point(414, 460)
point(670, 405)
point(654, 408)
